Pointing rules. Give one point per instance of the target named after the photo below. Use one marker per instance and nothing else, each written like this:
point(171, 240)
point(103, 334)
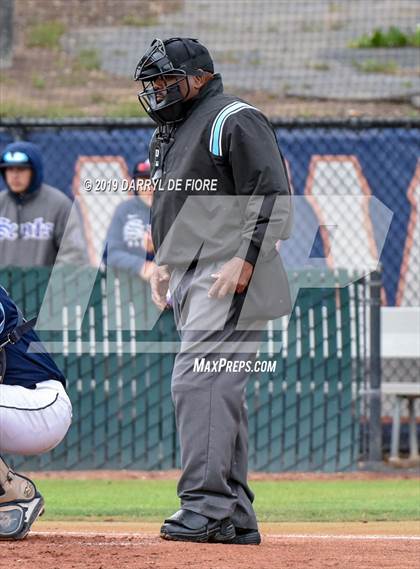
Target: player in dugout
point(129, 240)
point(38, 225)
point(35, 415)
point(222, 202)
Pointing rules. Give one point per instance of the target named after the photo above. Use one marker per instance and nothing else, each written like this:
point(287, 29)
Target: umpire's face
point(188, 87)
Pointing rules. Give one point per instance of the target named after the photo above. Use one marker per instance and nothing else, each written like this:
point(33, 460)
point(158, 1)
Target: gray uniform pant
point(210, 405)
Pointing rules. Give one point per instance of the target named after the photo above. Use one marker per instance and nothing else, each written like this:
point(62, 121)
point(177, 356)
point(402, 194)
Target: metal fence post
point(375, 426)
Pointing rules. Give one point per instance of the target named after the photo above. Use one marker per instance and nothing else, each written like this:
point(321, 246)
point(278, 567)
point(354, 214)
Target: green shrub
point(89, 59)
point(38, 81)
point(125, 109)
point(46, 34)
point(318, 66)
point(394, 37)
point(375, 66)
point(415, 38)
point(13, 109)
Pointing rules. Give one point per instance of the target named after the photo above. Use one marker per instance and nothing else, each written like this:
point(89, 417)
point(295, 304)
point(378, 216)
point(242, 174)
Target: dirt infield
point(136, 545)
point(65, 545)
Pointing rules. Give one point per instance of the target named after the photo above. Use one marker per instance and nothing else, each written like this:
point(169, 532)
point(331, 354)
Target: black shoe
point(245, 537)
point(186, 525)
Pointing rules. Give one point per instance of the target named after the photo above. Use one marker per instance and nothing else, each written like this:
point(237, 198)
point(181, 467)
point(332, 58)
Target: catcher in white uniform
point(35, 415)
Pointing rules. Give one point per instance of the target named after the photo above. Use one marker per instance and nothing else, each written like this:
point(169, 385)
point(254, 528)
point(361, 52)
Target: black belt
point(16, 334)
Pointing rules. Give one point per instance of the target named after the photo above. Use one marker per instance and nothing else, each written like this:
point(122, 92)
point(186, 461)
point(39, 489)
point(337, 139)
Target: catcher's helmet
point(175, 57)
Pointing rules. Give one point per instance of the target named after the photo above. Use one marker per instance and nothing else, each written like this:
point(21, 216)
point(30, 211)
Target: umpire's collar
point(211, 88)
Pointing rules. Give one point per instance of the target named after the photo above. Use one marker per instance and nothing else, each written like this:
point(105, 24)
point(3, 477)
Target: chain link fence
point(356, 186)
point(307, 414)
point(291, 58)
point(329, 162)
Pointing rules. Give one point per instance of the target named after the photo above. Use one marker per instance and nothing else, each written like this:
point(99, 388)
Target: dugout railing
point(310, 414)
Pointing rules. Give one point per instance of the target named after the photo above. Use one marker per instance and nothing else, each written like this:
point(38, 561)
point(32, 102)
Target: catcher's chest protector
point(2, 364)
point(13, 337)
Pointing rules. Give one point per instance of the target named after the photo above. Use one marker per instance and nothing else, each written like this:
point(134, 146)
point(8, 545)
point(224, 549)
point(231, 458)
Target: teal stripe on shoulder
point(2, 318)
point(218, 123)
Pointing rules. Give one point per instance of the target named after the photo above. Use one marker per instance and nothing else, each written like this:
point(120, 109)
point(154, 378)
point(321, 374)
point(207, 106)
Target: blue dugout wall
point(388, 154)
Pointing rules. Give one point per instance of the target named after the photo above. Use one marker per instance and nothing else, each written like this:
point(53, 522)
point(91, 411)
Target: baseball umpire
point(35, 414)
point(222, 202)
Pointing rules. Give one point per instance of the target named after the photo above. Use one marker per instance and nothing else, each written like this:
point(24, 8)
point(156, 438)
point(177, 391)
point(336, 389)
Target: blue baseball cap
point(15, 159)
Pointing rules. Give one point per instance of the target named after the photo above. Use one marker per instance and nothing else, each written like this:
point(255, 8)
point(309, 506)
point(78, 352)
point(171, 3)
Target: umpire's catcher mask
point(175, 58)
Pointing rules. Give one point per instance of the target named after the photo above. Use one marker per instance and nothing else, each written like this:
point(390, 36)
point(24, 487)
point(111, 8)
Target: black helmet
point(175, 57)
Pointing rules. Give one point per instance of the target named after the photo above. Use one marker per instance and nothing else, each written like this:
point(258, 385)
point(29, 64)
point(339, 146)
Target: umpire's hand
point(159, 283)
point(233, 276)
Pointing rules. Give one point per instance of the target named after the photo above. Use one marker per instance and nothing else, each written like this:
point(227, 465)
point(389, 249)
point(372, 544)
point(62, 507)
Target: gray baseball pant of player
point(210, 406)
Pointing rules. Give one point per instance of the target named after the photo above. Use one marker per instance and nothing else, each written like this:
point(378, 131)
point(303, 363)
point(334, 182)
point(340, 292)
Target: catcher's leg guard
point(20, 503)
